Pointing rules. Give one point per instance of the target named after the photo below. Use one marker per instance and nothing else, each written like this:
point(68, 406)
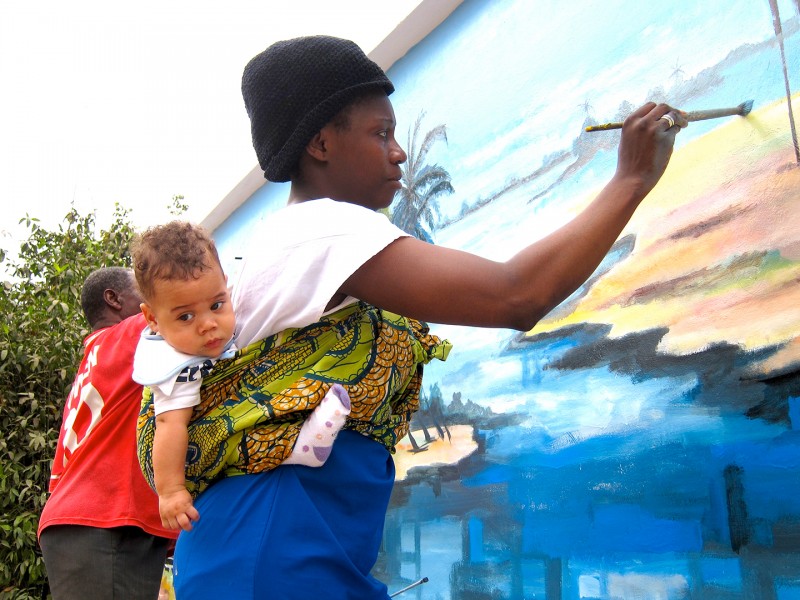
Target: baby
point(191, 325)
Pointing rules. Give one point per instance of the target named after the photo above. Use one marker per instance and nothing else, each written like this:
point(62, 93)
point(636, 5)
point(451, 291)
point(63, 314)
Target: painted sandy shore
point(438, 452)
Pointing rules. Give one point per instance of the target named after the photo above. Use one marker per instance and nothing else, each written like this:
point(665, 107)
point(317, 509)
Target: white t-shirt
point(300, 260)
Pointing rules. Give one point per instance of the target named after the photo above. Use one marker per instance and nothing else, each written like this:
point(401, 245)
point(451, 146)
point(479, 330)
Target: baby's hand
point(177, 511)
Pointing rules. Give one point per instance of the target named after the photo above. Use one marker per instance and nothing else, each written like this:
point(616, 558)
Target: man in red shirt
point(100, 530)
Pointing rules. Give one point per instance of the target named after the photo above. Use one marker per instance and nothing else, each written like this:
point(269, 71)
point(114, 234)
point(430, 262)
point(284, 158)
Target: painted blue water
point(630, 499)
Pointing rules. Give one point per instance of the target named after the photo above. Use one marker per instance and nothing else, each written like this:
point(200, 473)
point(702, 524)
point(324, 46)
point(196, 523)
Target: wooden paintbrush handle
point(714, 113)
point(696, 115)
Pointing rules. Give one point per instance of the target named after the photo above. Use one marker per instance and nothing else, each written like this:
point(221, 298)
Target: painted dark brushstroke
point(737, 509)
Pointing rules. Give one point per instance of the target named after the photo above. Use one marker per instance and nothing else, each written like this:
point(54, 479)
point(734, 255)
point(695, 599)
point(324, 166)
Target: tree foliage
point(40, 348)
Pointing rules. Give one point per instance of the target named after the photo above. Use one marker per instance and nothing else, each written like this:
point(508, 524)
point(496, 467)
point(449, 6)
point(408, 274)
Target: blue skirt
point(292, 533)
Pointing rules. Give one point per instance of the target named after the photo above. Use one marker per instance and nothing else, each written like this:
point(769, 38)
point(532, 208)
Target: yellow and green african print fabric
point(253, 404)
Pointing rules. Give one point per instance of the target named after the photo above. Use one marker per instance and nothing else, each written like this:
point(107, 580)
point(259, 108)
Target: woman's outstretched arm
point(442, 285)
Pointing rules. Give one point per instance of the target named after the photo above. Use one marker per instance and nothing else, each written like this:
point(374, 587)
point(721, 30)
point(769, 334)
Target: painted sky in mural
point(504, 78)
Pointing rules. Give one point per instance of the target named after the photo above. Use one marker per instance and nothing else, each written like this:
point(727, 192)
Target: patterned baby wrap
point(253, 405)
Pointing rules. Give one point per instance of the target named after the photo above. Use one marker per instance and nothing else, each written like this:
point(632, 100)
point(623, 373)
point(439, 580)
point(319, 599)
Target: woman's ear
point(318, 146)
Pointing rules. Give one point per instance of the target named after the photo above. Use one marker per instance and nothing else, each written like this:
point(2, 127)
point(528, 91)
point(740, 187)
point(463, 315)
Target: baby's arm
point(169, 464)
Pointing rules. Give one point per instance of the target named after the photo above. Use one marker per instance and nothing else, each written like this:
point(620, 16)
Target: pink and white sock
point(313, 445)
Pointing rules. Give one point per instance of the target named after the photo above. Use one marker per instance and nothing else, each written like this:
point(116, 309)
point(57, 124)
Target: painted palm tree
point(678, 74)
point(416, 209)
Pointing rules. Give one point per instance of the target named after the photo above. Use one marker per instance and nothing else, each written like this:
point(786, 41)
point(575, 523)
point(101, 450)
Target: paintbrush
point(408, 587)
point(698, 115)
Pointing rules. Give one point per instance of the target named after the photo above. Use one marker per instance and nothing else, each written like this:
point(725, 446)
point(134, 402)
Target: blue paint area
point(646, 485)
point(721, 572)
point(787, 591)
point(476, 554)
point(235, 234)
point(628, 528)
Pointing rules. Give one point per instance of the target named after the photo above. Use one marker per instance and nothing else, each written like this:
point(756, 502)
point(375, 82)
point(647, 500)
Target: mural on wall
point(644, 439)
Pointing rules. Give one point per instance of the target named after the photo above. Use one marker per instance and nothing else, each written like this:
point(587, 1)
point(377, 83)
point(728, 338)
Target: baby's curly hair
point(176, 251)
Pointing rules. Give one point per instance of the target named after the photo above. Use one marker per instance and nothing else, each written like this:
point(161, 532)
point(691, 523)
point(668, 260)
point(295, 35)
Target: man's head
point(108, 296)
point(185, 292)
point(295, 87)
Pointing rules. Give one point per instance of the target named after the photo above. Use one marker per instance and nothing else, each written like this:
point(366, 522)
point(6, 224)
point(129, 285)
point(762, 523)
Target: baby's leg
point(314, 442)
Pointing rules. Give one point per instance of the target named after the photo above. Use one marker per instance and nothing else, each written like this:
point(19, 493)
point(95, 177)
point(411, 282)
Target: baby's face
point(194, 316)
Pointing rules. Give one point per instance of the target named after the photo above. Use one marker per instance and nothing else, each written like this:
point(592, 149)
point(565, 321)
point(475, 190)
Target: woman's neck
point(302, 193)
